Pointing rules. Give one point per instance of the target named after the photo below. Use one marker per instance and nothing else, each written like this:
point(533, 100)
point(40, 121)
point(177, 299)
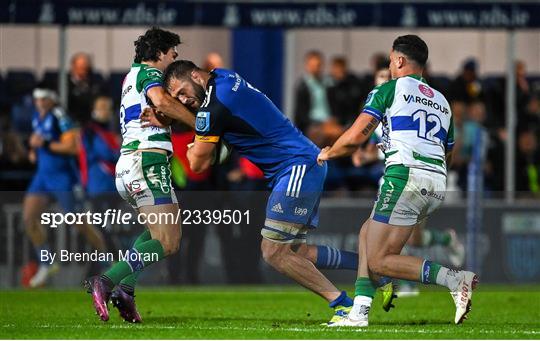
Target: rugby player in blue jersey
point(53, 146)
point(230, 109)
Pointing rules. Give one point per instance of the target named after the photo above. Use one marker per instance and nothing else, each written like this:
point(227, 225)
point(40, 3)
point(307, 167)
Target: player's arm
point(200, 155)
point(68, 143)
point(170, 106)
point(377, 102)
point(208, 131)
point(351, 139)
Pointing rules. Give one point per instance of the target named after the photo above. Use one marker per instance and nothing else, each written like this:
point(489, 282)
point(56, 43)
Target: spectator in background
point(345, 94)
point(311, 107)
point(368, 160)
point(83, 87)
point(468, 130)
point(466, 87)
point(377, 61)
point(532, 116)
point(99, 151)
point(523, 95)
point(12, 151)
point(14, 165)
point(496, 98)
point(432, 81)
point(528, 164)
point(212, 61)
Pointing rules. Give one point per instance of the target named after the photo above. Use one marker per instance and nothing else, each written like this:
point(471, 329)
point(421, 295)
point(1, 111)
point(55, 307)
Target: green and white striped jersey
point(416, 120)
point(137, 82)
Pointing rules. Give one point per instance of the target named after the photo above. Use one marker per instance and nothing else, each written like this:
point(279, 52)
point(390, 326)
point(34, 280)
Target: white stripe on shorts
point(291, 180)
point(300, 180)
point(295, 182)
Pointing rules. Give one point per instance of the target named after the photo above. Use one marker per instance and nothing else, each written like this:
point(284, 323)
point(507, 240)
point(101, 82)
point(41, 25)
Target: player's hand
point(152, 118)
point(323, 156)
point(36, 141)
point(32, 157)
point(357, 158)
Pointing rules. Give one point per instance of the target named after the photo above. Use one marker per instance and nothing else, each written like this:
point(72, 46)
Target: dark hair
point(313, 53)
point(154, 41)
point(340, 60)
point(413, 47)
point(382, 64)
point(178, 69)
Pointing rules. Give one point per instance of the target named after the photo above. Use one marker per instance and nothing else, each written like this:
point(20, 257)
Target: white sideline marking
point(371, 329)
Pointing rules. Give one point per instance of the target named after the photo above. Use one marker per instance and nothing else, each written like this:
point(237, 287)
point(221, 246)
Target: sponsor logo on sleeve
point(370, 96)
point(202, 123)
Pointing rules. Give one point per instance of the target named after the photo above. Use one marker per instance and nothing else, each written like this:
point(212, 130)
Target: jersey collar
point(213, 75)
point(417, 77)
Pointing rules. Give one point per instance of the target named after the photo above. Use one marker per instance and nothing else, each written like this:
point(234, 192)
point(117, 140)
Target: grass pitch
point(263, 312)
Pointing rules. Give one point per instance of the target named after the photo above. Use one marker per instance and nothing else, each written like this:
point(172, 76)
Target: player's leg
point(128, 283)
point(384, 246)
point(424, 237)
point(404, 202)
point(33, 205)
point(279, 253)
point(365, 287)
point(292, 207)
point(328, 257)
point(147, 186)
point(63, 185)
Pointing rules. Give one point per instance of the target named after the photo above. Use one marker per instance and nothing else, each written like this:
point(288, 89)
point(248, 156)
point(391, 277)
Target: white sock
point(447, 278)
point(361, 307)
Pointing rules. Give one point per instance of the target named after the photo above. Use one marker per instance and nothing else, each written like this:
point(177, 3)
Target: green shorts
point(408, 195)
point(144, 179)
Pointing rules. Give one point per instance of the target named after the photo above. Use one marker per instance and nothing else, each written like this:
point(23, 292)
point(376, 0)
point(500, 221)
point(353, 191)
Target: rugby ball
point(221, 153)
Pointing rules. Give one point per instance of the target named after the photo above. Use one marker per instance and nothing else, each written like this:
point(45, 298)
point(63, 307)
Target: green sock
point(364, 287)
point(148, 249)
point(129, 282)
point(436, 237)
point(430, 269)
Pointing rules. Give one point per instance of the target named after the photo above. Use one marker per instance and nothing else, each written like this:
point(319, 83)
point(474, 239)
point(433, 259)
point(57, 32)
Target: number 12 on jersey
point(429, 125)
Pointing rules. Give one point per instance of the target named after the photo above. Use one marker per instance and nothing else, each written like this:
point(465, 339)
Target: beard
point(200, 95)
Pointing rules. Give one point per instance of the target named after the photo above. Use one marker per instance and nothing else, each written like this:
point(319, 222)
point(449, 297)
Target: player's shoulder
point(224, 86)
point(227, 82)
point(147, 76)
point(59, 113)
point(386, 88)
point(63, 119)
point(146, 71)
point(390, 84)
point(382, 91)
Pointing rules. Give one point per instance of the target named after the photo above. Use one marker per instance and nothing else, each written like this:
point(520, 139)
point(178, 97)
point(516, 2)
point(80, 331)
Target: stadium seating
point(50, 78)
point(19, 83)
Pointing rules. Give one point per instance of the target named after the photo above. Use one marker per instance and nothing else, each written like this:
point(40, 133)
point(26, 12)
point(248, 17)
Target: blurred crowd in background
point(327, 99)
point(327, 103)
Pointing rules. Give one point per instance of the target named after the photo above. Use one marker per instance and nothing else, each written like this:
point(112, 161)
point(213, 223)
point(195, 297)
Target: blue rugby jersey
point(248, 120)
point(51, 127)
